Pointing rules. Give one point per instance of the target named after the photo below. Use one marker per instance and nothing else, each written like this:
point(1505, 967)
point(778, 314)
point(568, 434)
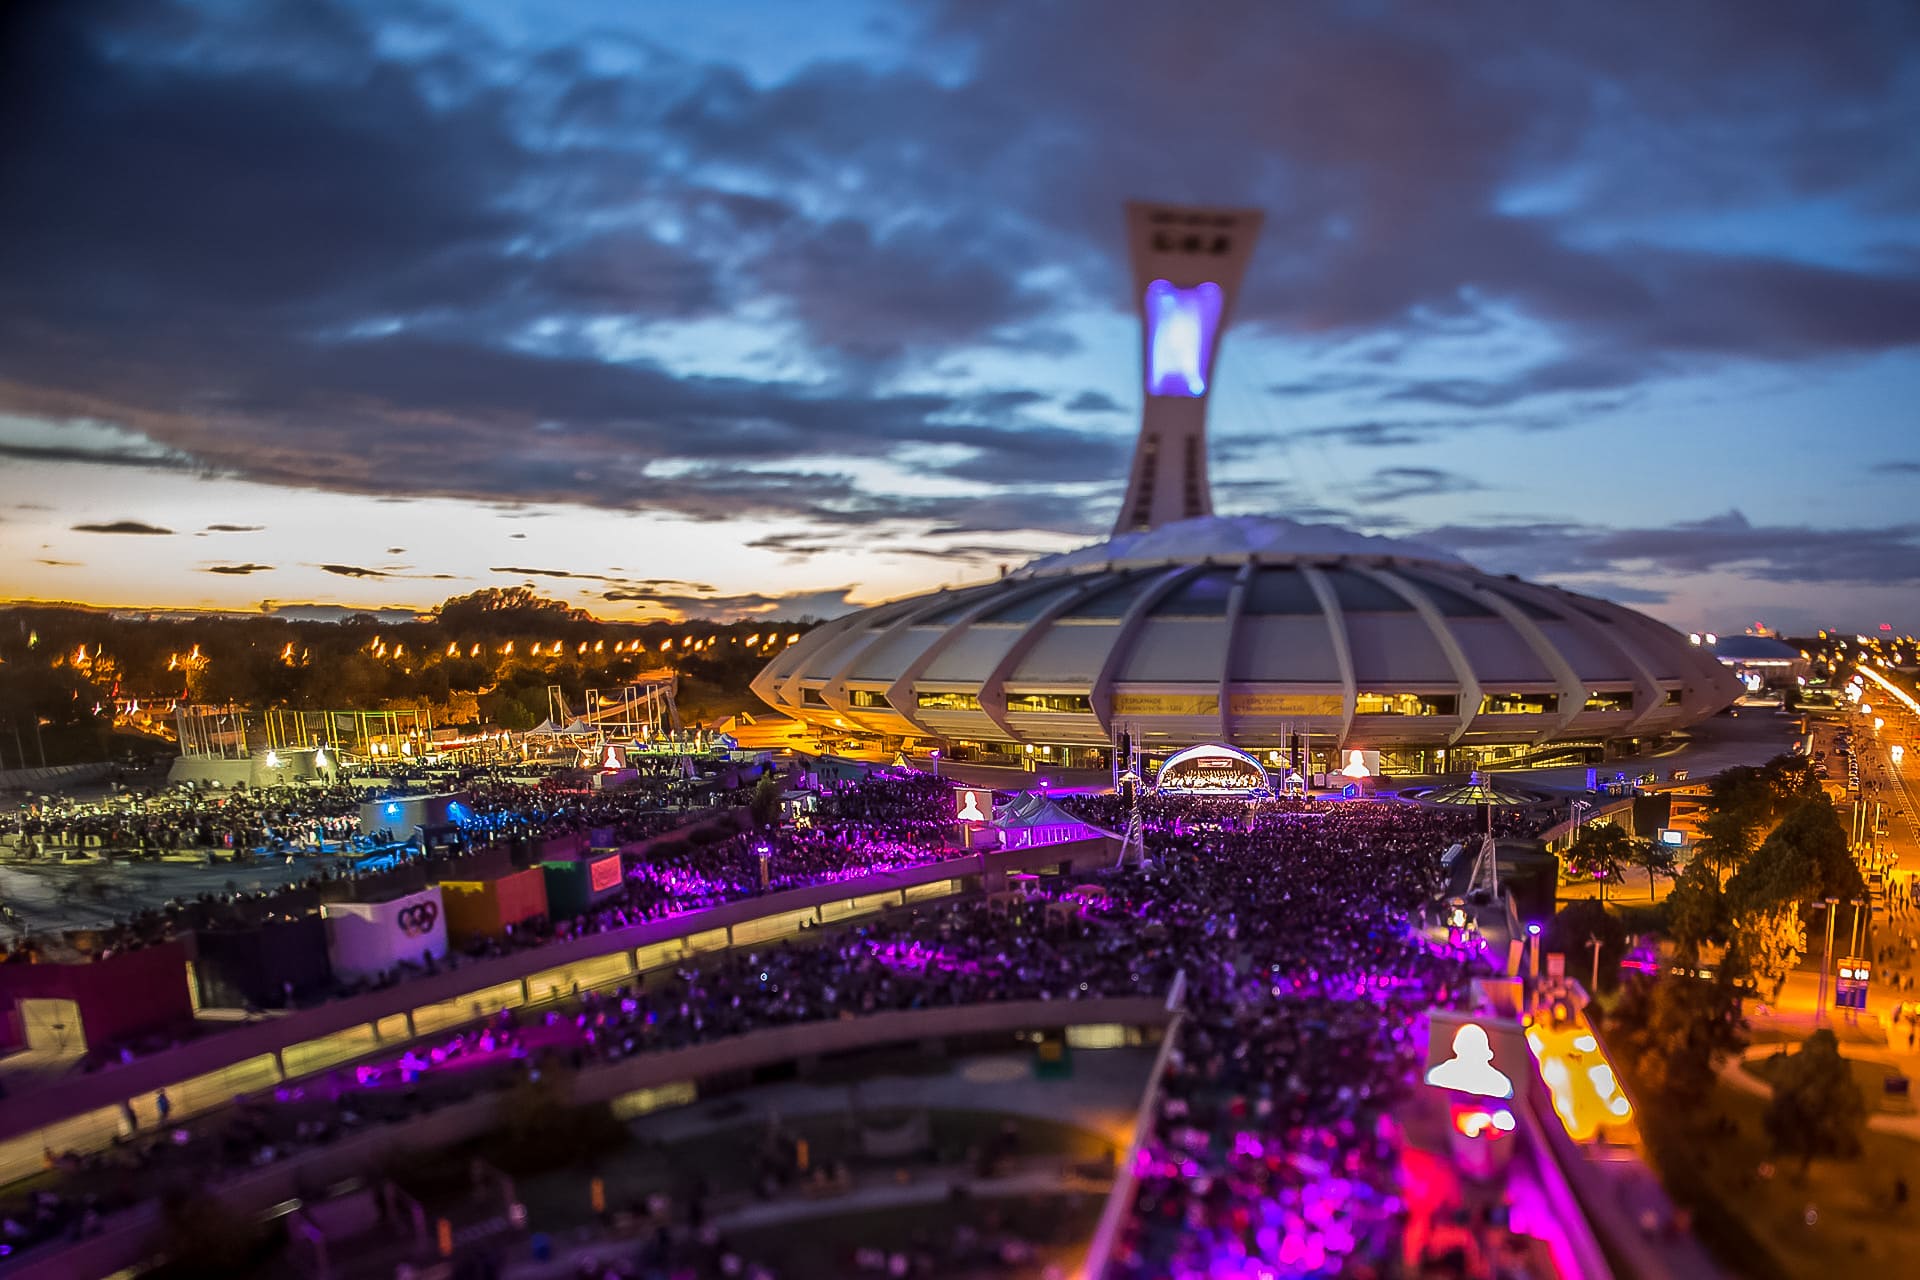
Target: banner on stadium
point(368, 939)
point(1287, 704)
point(1166, 704)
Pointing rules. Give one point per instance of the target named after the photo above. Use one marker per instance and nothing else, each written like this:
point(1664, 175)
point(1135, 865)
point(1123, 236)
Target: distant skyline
point(716, 309)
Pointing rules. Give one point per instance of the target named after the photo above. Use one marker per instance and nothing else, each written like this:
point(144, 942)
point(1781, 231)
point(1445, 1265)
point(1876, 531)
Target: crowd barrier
point(127, 1239)
point(82, 1113)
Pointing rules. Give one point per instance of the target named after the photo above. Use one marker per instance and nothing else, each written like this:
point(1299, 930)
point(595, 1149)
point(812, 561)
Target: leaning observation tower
point(1262, 632)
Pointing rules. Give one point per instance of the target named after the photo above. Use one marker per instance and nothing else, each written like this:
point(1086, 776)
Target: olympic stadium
point(1185, 627)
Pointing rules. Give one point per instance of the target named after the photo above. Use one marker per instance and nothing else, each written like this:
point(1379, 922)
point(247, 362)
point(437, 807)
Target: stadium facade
point(1185, 627)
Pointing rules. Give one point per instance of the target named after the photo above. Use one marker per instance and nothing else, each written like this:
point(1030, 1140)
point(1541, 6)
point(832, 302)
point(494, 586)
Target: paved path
point(936, 1188)
point(1102, 1096)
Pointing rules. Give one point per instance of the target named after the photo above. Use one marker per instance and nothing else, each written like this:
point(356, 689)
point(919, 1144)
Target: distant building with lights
point(1760, 661)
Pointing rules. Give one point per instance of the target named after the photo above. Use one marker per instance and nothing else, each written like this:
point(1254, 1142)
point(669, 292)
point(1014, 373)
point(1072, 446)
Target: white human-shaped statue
point(970, 808)
point(1471, 1069)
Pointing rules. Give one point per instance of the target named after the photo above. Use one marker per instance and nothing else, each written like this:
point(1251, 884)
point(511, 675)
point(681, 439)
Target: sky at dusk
point(718, 308)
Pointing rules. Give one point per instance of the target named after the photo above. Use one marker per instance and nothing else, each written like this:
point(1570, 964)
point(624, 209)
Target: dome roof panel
point(1280, 591)
point(1390, 651)
point(1497, 653)
point(1111, 602)
point(1357, 593)
point(972, 655)
point(1592, 658)
point(1234, 538)
point(1066, 656)
point(1450, 598)
point(889, 657)
point(1177, 651)
point(1204, 596)
point(1028, 604)
point(1287, 650)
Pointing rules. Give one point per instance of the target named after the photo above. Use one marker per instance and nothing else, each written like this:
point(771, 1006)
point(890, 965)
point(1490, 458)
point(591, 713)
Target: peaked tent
point(1030, 820)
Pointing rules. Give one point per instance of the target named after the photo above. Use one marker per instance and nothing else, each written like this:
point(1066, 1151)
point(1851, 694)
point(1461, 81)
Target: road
point(1893, 788)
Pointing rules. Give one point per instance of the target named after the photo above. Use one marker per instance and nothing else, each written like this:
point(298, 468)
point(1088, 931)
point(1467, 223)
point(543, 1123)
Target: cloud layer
point(866, 302)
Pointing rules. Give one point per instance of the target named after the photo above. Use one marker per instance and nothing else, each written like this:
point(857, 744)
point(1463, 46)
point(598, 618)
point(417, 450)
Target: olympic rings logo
point(418, 919)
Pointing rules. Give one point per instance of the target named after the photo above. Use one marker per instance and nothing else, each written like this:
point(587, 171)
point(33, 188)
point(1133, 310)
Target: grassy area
point(1716, 1159)
point(1870, 1076)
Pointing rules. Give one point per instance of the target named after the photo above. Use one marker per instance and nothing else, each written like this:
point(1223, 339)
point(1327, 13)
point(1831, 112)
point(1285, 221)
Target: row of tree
point(488, 656)
point(1773, 847)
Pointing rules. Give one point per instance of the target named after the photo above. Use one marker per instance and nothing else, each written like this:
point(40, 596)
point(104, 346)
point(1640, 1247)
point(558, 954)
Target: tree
point(1673, 1028)
point(1804, 859)
point(1575, 925)
point(1655, 859)
point(1817, 1109)
point(1768, 943)
point(1697, 910)
point(765, 804)
point(1601, 852)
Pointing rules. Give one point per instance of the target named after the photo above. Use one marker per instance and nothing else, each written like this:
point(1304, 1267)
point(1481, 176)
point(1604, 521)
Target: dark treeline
point(484, 658)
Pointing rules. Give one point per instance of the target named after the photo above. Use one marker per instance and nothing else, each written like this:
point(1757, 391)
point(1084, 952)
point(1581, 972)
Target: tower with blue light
point(1187, 265)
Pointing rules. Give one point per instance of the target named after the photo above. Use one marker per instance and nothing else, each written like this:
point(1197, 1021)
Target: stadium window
point(1406, 704)
point(1519, 704)
point(867, 698)
point(1609, 700)
point(1049, 703)
point(1673, 698)
point(813, 698)
point(947, 701)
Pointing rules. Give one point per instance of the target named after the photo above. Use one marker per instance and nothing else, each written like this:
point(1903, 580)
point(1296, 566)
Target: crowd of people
point(1273, 1146)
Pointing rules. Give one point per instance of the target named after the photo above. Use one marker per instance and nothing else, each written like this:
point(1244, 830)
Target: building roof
point(1754, 649)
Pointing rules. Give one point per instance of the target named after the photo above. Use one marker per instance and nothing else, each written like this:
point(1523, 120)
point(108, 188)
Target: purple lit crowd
point(1273, 1151)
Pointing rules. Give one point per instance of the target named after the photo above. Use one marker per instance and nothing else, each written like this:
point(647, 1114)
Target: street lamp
point(1579, 807)
point(1826, 954)
point(935, 755)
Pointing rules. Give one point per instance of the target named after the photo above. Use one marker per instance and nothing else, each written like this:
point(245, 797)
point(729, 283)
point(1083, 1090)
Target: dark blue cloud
point(279, 242)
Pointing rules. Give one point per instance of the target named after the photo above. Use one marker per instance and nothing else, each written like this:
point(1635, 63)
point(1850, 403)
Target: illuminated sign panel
point(1181, 327)
point(1286, 704)
point(1477, 1056)
point(1215, 770)
point(604, 874)
point(1166, 704)
point(971, 804)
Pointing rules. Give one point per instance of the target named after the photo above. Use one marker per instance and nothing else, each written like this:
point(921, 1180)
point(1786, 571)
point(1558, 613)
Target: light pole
point(935, 754)
point(1579, 807)
point(1826, 954)
point(1593, 991)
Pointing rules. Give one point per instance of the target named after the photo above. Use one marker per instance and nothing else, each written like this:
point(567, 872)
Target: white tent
point(1030, 820)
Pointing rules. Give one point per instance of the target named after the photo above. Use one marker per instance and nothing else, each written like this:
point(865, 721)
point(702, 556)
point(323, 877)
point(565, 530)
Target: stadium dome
point(1247, 630)
point(1264, 633)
